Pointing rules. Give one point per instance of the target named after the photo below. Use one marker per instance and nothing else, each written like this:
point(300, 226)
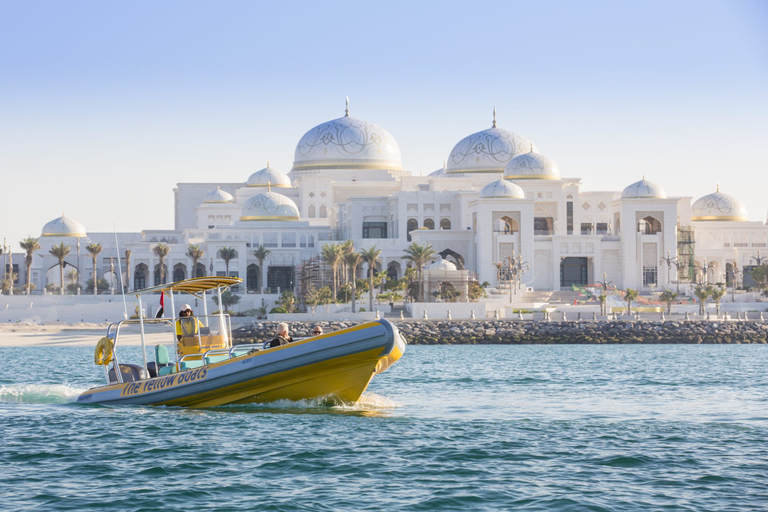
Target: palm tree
point(629, 297)
point(716, 293)
point(60, 252)
point(195, 253)
point(161, 250)
point(127, 283)
point(669, 297)
point(331, 254)
point(498, 266)
point(227, 254)
point(261, 254)
point(347, 248)
point(30, 245)
point(701, 293)
point(371, 257)
point(419, 255)
point(602, 298)
point(94, 250)
point(353, 260)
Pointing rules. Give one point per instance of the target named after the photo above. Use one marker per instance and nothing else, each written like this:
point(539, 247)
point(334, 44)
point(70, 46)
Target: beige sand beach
point(33, 335)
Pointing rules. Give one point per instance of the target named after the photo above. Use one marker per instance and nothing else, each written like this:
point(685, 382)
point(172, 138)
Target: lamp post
point(736, 273)
point(704, 269)
point(604, 284)
point(77, 284)
point(517, 267)
point(758, 259)
point(672, 261)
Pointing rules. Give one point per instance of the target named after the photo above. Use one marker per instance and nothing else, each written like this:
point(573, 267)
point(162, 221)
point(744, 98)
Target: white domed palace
point(498, 197)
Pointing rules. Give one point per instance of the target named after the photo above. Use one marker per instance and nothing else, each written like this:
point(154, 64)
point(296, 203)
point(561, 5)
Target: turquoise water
point(587, 427)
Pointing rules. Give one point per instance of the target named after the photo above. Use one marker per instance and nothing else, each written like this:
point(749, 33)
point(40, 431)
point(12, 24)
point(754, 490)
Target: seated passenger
point(283, 338)
point(187, 325)
point(318, 330)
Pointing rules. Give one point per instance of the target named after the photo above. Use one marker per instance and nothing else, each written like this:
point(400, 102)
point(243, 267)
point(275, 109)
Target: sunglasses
point(318, 332)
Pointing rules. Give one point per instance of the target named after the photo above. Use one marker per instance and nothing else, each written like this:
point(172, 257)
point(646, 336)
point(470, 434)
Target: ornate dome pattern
point(643, 189)
point(487, 151)
point(218, 196)
point(347, 143)
point(502, 189)
point(718, 206)
point(269, 176)
point(532, 166)
point(269, 206)
point(64, 226)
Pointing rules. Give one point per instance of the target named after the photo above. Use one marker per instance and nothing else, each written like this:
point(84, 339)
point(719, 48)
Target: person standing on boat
point(187, 325)
point(282, 338)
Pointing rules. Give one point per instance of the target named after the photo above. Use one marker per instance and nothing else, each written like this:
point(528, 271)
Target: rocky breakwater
point(522, 332)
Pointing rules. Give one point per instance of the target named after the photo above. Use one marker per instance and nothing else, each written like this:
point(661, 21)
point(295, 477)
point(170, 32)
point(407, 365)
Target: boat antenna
point(120, 270)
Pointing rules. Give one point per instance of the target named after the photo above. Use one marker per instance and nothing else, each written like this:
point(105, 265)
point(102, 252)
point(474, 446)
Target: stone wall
point(522, 332)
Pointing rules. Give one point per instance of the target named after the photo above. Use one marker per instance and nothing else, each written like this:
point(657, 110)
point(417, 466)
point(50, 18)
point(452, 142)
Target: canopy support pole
point(222, 324)
point(143, 340)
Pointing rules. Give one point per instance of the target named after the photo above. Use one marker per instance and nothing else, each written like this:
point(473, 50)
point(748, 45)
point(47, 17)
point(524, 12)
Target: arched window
point(510, 225)
point(200, 270)
point(412, 224)
point(650, 226)
point(179, 272)
point(311, 211)
point(445, 224)
point(252, 277)
point(161, 277)
point(323, 212)
point(429, 223)
point(140, 277)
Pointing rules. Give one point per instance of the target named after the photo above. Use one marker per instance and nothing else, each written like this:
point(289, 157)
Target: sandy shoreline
point(34, 335)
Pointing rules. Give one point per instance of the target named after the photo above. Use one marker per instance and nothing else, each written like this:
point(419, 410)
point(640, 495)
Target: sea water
point(579, 427)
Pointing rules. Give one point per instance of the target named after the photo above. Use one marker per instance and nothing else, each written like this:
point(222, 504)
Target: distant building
point(496, 197)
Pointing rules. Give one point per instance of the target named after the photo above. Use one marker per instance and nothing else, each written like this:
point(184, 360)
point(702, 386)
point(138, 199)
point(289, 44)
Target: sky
point(106, 106)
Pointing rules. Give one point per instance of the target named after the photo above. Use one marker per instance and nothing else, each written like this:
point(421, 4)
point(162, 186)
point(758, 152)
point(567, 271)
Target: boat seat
point(191, 363)
point(216, 358)
point(163, 360)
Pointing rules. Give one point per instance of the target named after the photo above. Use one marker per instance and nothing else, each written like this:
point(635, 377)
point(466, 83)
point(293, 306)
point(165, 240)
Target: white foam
point(39, 393)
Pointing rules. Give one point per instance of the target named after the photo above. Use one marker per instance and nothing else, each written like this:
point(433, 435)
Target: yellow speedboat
point(208, 370)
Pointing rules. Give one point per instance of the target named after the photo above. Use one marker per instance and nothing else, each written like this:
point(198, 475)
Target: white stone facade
point(348, 183)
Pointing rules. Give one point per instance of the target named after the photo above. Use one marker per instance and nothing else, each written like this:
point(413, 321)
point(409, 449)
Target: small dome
point(442, 264)
point(643, 189)
point(347, 143)
point(502, 188)
point(718, 206)
point(438, 173)
point(218, 196)
point(269, 206)
point(269, 177)
point(532, 166)
point(487, 151)
point(64, 226)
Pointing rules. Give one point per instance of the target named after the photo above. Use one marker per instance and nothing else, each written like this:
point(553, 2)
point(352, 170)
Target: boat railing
point(113, 333)
point(245, 347)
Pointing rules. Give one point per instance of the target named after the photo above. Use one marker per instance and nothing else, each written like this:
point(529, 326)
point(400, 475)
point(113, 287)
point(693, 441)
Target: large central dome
point(347, 143)
point(487, 151)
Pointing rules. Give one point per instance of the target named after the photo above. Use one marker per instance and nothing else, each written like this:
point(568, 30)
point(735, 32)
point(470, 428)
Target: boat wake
point(39, 393)
point(369, 404)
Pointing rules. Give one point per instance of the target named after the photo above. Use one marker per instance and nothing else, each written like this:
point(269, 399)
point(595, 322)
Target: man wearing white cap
point(187, 324)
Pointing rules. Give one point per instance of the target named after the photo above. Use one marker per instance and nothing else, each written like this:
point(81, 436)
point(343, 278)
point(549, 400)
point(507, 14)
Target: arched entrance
point(574, 271)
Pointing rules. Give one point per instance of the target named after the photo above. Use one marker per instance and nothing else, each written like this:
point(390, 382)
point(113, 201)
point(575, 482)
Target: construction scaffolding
point(686, 271)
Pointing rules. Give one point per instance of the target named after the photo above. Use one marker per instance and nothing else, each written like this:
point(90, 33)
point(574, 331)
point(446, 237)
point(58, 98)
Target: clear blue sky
point(105, 106)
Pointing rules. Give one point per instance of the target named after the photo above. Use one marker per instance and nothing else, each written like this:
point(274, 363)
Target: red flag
point(161, 309)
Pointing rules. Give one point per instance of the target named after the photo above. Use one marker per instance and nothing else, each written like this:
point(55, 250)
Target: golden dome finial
point(718, 186)
point(267, 164)
point(346, 111)
point(494, 117)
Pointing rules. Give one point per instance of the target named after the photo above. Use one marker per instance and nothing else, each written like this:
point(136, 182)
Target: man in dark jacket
point(283, 338)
